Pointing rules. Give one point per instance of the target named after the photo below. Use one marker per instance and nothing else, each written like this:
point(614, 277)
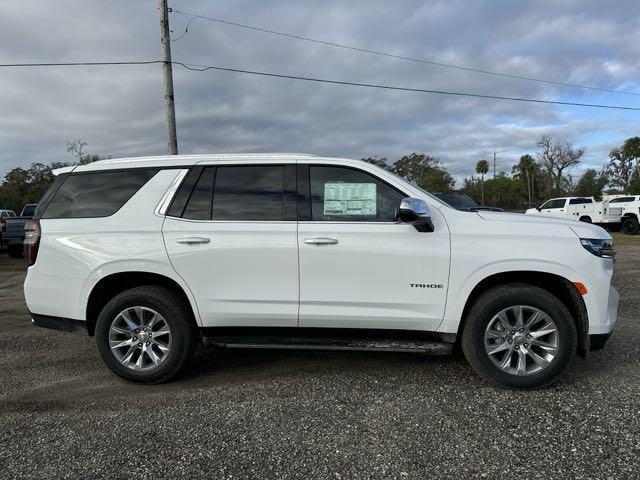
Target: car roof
point(184, 161)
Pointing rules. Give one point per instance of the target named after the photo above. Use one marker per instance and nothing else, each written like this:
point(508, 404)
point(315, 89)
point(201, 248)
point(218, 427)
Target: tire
point(181, 341)
point(630, 226)
point(484, 313)
point(586, 219)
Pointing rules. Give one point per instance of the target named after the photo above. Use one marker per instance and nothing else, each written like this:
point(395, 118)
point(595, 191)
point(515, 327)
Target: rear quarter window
point(94, 194)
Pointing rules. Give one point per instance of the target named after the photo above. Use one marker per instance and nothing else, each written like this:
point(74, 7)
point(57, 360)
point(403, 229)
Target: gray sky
point(119, 110)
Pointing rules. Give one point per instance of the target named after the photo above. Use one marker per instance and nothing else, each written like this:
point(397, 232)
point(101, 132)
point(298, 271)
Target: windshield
point(461, 201)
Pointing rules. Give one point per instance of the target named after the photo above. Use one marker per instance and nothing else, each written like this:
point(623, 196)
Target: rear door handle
point(320, 241)
point(193, 240)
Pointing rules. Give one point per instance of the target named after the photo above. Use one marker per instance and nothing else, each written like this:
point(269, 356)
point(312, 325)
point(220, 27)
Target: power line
point(79, 64)
point(202, 68)
point(399, 57)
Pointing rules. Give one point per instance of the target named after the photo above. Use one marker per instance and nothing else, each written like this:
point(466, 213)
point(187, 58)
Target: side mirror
point(416, 212)
point(539, 208)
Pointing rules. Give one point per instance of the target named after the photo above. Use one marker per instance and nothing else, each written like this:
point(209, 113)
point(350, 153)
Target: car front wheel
point(519, 336)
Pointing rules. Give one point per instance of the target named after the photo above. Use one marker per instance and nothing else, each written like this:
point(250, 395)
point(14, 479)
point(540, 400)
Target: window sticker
point(350, 199)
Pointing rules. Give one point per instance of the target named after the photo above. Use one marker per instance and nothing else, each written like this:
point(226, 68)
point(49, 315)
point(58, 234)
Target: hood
point(581, 229)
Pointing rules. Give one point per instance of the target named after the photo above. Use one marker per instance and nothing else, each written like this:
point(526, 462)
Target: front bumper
point(597, 342)
point(607, 322)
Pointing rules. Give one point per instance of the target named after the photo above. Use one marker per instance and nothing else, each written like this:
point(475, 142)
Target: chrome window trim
point(165, 201)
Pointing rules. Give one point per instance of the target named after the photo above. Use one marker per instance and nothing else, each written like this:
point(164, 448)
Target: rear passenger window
point(199, 204)
point(95, 194)
point(249, 193)
point(622, 200)
point(580, 201)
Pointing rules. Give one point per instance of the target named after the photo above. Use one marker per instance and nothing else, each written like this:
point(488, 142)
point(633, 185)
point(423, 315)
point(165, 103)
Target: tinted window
point(199, 204)
point(249, 193)
point(621, 200)
point(580, 201)
point(457, 200)
point(51, 191)
point(28, 210)
point(558, 203)
point(95, 194)
point(345, 194)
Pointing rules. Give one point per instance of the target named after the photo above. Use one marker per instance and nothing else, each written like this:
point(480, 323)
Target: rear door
point(231, 235)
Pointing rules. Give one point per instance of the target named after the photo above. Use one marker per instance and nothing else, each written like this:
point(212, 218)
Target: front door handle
point(193, 240)
point(320, 241)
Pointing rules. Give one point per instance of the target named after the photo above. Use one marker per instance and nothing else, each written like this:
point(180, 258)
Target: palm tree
point(482, 167)
point(526, 168)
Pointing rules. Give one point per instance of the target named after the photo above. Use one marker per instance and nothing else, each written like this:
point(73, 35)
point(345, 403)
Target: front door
point(234, 243)
point(359, 267)
point(554, 208)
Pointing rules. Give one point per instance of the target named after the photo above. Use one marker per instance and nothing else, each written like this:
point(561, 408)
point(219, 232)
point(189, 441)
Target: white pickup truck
point(629, 206)
point(583, 209)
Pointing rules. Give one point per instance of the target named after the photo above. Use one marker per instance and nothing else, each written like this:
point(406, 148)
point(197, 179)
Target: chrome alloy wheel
point(521, 340)
point(140, 338)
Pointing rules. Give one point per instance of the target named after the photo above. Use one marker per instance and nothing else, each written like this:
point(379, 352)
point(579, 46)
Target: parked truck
point(629, 206)
point(583, 209)
point(13, 230)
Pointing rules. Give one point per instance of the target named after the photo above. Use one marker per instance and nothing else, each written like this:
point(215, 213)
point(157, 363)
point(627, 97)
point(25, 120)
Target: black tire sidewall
point(183, 335)
point(497, 299)
point(630, 226)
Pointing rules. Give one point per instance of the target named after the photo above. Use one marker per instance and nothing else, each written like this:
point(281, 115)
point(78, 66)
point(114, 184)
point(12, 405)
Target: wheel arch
point(557, 285)
point(111, 285)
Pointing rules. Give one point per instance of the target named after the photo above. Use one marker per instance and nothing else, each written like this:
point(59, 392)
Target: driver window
point(348, 195)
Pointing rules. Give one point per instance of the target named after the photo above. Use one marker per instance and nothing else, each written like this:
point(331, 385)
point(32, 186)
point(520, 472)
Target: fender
point(142, 266)
point(458, 294)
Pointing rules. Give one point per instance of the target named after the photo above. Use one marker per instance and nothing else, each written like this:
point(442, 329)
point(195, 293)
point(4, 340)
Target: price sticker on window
point(350, 199)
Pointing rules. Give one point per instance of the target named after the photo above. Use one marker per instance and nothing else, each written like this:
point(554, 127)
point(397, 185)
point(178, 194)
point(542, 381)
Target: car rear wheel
point(519, 336)
point(146, 334)
point(630, 226)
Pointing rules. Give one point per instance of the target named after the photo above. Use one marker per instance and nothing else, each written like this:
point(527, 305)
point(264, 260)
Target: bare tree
point(620, 169)
point(556, 156)
point(76, 149)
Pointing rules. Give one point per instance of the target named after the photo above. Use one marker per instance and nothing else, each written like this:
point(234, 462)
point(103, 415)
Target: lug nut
point(517, 347)
point(521, 330)
point(135, 339)
point(513, 332)
point(148, 343)
point(510, 341)
point(526, 345)
point(140, 344)
point(528, 336)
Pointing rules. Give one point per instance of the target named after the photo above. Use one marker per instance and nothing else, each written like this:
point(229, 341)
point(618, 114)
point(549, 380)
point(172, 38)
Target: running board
point(315, 343)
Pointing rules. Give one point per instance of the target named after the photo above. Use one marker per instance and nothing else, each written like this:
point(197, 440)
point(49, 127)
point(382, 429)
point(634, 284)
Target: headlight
point(600, 248)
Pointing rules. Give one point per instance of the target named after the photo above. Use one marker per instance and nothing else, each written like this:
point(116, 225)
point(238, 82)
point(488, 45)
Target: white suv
point(296, 251)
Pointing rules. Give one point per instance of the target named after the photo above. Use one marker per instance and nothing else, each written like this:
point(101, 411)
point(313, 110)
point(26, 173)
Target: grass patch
point(8, 264)
point(622, 239)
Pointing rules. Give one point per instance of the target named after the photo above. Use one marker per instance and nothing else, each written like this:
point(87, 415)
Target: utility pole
point(494, 178)
point(167, 73)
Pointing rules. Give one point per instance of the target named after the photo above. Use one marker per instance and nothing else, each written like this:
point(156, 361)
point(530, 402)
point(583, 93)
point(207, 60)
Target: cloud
point(119, 111)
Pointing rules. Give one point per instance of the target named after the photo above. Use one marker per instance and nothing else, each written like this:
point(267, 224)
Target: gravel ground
point(274, 414)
